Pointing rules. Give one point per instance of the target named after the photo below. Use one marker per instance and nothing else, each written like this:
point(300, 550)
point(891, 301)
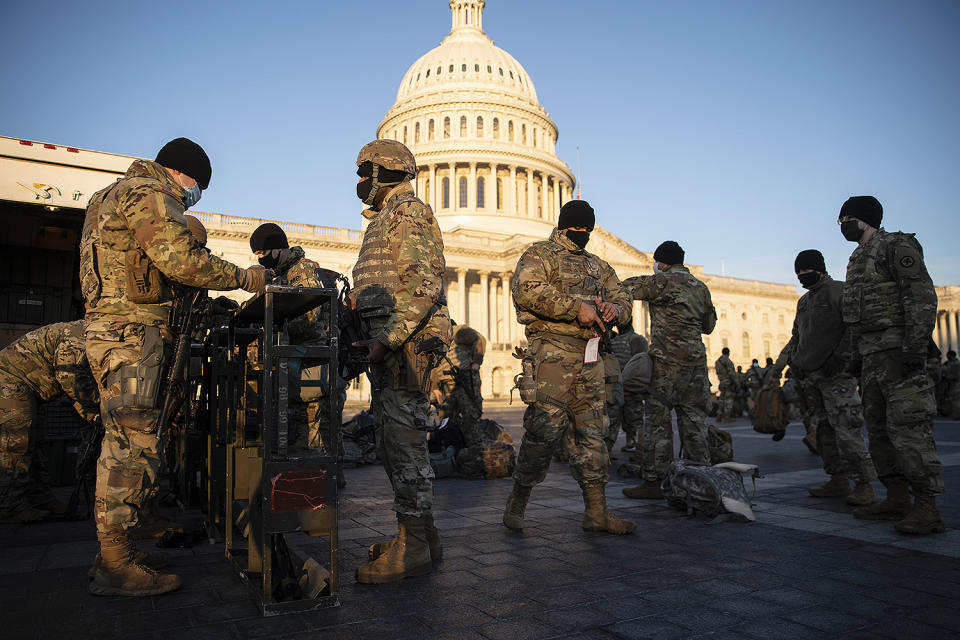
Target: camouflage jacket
point(398, 278)
point(300, 271)
point(135, 241)
point(889, 300)
point(626, 345)
point(52, 361)
point(726, 372)
point(818, 330)
point(553, 277)
point(680, 310)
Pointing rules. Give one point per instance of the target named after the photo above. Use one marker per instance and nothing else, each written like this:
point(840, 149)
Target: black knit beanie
point(866, 208)
point(186, 156)
point(809, 259)
point(669, 252)
point(268, 236)
point(576, 213)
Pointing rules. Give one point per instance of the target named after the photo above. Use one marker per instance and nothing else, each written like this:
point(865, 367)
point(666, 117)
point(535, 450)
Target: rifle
point(185, 318)
point(352, 361)
point(86, 460)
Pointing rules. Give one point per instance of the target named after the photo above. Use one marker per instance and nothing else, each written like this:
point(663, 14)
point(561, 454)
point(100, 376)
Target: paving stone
point(523, 629)
point(776, 628)
point(651, 627)
point(827, 620)
point(454, 617)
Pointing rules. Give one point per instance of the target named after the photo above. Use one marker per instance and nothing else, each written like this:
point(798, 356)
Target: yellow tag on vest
point(592, 352)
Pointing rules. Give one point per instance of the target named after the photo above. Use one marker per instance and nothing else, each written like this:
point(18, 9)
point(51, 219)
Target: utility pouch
point(137, 407)
point(528, 382)
point(911, 400)
point(143, 278)
point(850, 303)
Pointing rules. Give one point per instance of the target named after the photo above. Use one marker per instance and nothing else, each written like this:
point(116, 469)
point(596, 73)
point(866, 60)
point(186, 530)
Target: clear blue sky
point(736, 128)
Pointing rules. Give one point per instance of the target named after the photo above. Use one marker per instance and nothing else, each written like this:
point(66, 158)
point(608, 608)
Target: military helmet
point(389, 154)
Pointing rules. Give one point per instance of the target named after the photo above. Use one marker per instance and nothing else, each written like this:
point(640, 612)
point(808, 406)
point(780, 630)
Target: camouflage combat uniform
point(562, 392)
point(462, 399)
point(39, 367)
point(613, 394)
point(818, 352)
point(398, 280)
point(626, 345)
point(950, 381)
point(728, 386)
point(890, 304)
point(135, 241)
point(681, 310)
point(308, 408)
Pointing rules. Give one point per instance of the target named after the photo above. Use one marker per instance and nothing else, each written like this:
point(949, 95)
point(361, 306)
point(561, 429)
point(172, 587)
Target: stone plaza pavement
point(805, 569)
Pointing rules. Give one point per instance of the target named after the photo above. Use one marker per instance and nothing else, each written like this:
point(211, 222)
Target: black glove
point(855, 367)
point(832, 366)
point(911, 363)
point(223, 304)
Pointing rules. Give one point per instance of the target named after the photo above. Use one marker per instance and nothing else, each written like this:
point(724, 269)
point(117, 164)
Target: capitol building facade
point(485, 150)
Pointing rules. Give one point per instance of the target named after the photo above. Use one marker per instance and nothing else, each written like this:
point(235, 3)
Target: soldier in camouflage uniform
point(891, 306)
point(729, 385)
point(819, 351)
point(135, 243)
point(613, 394)
point(626, 344)
point(39, 367)
point(681, 310)
point(564, 295)
point(950, 383)
point(398, 283)
point(292, 268)
point(462, 400)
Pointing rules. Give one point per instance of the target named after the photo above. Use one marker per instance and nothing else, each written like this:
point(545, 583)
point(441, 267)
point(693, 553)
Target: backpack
point(444, 463)
point(771, 414)
point(716, 492)
point(637, 374)
point(490, 460)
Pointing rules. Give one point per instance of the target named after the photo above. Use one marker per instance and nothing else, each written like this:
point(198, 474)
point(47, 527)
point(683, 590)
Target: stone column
point(494, 312)
point(490, 187)
point(531, 196)
point(556, 198)
point(484, 327)
point(472, 187)
point(938, 333)
point(507, 309)
point(544, 198)
point(462, 294)
point(954, 330)
point(510, 192)
point(454, 188)
point(432, 195)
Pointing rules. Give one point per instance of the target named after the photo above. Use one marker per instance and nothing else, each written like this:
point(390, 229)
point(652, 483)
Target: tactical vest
point(620, 346)
point(375, 277)
point(577, 275)
point(871, 296)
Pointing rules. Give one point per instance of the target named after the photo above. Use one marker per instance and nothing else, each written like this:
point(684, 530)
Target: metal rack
point(258, 489)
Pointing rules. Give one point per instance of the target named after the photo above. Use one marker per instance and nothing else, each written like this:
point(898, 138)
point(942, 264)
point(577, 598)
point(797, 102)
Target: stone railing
point(224, 222)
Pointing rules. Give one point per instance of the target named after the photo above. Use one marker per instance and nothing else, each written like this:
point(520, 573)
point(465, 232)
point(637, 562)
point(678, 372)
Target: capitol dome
point(485, 148)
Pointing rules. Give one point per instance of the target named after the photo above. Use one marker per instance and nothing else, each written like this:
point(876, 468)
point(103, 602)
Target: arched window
point(463, 126)
point(481, 204)
point(451, 69)
point(446, 127)
point(404, 134)
point(463, 192)
point(539, 199)
point(430, 129)
point(463, 68)
point(428, 73)
point(476, 67)
point(416, 133)
point(510, 130)
point(766, 348)
point(746, 347)
point(427, 192)
point(534, 136)
point(523, 134)
point(446, 193)
point(499, 194)
point(479, 127)
point(496, 128)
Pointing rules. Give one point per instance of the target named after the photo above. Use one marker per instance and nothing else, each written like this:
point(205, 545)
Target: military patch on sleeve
point(907, 261)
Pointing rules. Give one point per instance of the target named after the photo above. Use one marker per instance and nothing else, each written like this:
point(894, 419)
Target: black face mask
point(271, 260)
point(363, 189)
point(807, 280)
point(579, 238)
point(851, 230)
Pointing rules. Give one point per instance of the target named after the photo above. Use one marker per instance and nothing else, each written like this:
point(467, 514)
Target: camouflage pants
point(835, 405)
point(20, 463)
point(678, 388)
point(615, 412)
point(728, 398)
point(633, 419)
point(464, 412)
point(129, 461)
point(310, 410)
point(400, 418)
point(899, 414)
point(569, 406)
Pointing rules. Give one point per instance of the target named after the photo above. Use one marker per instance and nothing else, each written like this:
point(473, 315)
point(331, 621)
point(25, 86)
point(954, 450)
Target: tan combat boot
point(836, 486)
point(894, 507)
point(149, 560)
point(120, 575)
point(409, 556)
point(649, 490)
point(596, 516)
point(516, 506)
point(862, 495)
point(923, 517)
point(433, 541)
